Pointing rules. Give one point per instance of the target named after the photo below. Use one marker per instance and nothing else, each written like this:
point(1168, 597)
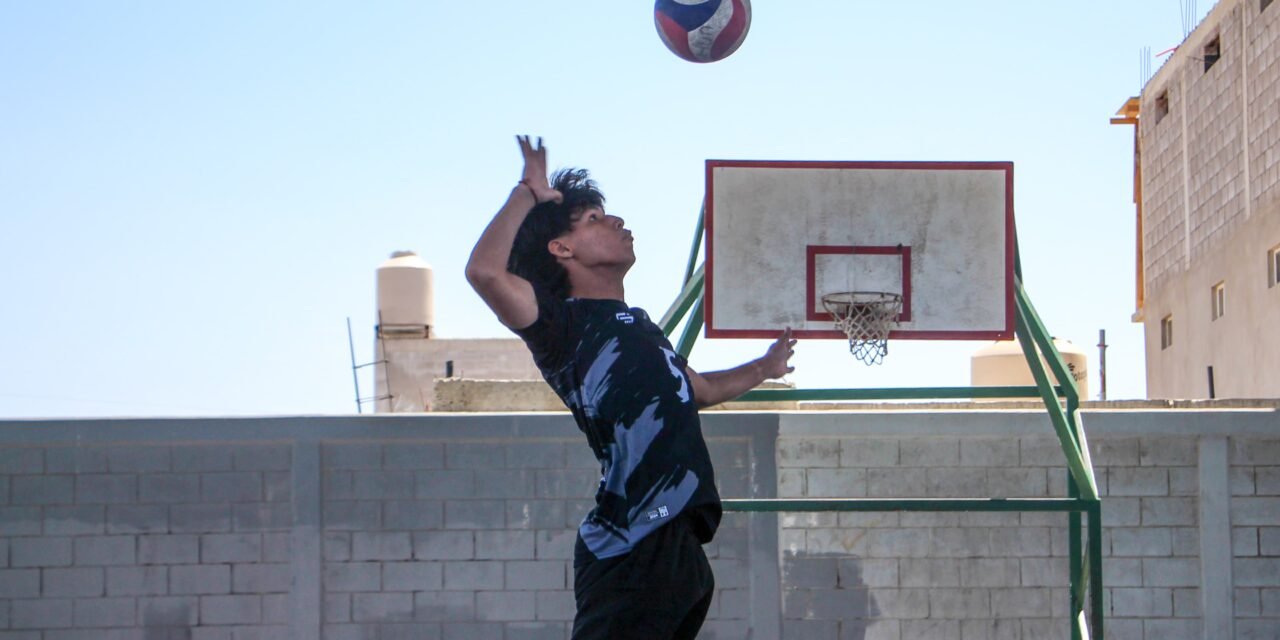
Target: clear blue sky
point(195, 196)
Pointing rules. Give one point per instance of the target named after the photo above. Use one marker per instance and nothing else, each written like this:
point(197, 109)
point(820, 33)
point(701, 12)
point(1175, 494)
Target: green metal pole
point(1075, 462)
point(691, 330)
point(1073, 544)
point(691, 293)
point(1095, 569)
point(697, 242)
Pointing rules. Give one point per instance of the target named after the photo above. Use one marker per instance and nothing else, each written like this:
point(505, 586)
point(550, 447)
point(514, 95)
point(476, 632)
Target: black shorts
point(661, 590)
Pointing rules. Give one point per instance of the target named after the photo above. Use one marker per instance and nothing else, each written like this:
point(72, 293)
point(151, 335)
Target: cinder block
point(75, 460)
point(535, 455)
point(505, 483)
point(351, 456)
point(339, 485)
point(536, 575)
point(381, 607)
point(1167, 451)
point(234, 486)
point(956, 483)
point(45, 613)
point(568, 483)
point(414, 456)
point(1159, 512)
point(263, 457)
point(445, 483)
point(19, 583)
point(809, 573)
point(379, 545)
point(1122, 572)
point(1254, 451)
point(929, 572)
point(472, 631)
point(796, 452)
point(348, 632)
point(1134, 481)
point(40, 552)
point(1128, 542)
point(137, 581)
point(337, 607)
point(960, 542)
point(536, 631)
point(791, 483)
point(230, 610)
point(934, 629)
point(71, 583)
point(555, 544)
point(230, 547)
point(19, 460)
point(855, 573)
point(261, 578)
point(473, 575)
point(835, 542)
point(277, 486)
point(505, 545)
point(352, 516)
point(123, 519)
point(75, 521)
point(444, 605)
point(1114, 452)
point(836, 483)
point(990, 572)
point(197, 458)
point(42, 489)
point(1255, 572)
point(1021, 541)
point(138, 459)
point(412, 576)
point(199, 579)
point(1271, 602)
point(475, 514)
point(989, 452)
point(384, 485)
point(1029, 482)
point(464, 455)
point(505, 605)
point(352, 576)
point(1122, 512)
point(168, 612)
point(896, 483)
point(106, 489)
point(1184, 481)
point(412, 514)
point(903, 604)
point(929, 452)
point(1173, 629)
point(1246, 511)
point(106, 612)
point(1020, 603)
point(169, 487)
point(104, 550)
point(1141, 603)
point(959, 603)
point(535, 514)
point(555, 605)
point(444, 545)
point(169, 549)
point(868, 452)
point(276, 608)
point(261, 516)
point(1241, 481)
point(1045, 572)
point(1186, 603)
point(337, 546)
point(1267, 480)
point(409, 631)
point(277, 547)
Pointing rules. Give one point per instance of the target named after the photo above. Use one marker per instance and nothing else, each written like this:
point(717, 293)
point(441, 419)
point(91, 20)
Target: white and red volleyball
point(702, 30)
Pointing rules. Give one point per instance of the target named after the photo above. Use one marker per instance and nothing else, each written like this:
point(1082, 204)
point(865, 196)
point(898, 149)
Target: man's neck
point(597, 288)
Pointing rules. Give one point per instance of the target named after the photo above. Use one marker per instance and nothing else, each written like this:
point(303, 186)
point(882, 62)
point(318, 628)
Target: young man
point(551, 265)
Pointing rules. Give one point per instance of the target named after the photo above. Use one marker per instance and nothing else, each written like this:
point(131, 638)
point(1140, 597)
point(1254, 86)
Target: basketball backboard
point(780, 234)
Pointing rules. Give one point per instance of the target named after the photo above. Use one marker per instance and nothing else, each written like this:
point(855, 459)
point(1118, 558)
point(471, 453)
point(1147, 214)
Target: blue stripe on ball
point(689, 16)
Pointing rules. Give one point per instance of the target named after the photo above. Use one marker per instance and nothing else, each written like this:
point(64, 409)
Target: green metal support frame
point(1042, 357)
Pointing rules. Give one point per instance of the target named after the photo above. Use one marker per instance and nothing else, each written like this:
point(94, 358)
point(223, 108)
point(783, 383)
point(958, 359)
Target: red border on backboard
point(1010, 240)
point(810, 268)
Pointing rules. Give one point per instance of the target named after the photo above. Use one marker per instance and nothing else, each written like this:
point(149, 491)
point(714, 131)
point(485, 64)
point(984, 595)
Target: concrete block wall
point(461, 526)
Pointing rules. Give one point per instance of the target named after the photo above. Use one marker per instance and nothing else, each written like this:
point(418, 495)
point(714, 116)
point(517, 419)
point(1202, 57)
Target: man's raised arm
point(510, 296)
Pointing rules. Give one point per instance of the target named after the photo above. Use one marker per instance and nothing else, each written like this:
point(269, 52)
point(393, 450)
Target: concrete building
point(1207, 186)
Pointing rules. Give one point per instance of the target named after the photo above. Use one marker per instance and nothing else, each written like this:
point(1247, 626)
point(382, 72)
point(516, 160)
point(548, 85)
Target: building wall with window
point(1209, 139)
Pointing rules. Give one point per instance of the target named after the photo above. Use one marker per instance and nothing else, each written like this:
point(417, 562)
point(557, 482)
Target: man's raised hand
point(774, 363)
point(535, 171)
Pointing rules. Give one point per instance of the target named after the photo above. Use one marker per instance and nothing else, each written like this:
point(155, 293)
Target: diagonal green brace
point(1075, 461)
point(691, 293)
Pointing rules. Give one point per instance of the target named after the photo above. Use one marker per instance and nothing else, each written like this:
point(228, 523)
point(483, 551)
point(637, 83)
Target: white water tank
point(1002, 364)
point(405, 305)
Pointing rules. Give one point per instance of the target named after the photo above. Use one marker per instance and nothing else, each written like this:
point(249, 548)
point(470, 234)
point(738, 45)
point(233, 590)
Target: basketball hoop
point(866, 317)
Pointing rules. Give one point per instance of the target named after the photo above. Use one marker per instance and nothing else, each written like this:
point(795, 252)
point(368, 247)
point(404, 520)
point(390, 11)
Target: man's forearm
point(493, 250)
point(723, 386)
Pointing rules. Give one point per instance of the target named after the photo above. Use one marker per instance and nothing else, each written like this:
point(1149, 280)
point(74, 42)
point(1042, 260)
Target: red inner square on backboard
point(812, 252)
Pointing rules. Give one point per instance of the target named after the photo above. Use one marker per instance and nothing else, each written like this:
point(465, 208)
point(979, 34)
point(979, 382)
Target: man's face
point(599, 239)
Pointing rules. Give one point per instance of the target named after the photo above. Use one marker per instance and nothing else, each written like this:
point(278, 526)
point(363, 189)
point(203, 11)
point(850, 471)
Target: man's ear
point(559, 248)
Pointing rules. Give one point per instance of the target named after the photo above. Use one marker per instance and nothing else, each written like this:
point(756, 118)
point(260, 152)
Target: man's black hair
point(530, 258)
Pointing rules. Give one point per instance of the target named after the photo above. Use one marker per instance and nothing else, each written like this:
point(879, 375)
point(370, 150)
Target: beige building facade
point(1207, 186)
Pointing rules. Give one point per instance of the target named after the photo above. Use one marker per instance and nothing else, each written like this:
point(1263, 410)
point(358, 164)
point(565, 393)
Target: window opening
point(1166, 332)
point(1218, 299)
point(1212, 52)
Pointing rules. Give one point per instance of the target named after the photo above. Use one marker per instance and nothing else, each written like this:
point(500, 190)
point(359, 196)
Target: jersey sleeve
point(548, 336)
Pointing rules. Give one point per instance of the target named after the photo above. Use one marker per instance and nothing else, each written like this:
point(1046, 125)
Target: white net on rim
point(866, 317)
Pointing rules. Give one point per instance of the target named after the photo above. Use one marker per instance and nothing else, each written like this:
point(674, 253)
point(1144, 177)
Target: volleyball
point(702, 30)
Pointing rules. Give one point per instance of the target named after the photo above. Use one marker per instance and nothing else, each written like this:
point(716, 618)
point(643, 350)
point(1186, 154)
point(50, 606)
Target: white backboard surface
point(780, 234)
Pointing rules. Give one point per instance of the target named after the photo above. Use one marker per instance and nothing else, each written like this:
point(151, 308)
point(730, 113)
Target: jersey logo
point(660, 512)
point(679, 375)
point(625, 317)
